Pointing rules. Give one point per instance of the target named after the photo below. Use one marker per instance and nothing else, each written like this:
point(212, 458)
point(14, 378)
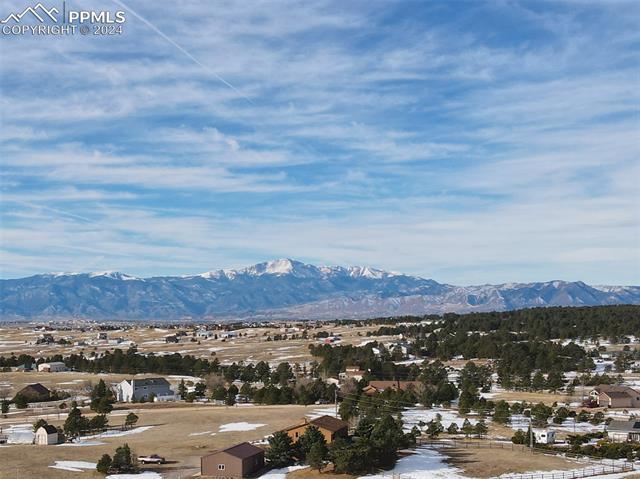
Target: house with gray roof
point(145, 389)
point(624, 431)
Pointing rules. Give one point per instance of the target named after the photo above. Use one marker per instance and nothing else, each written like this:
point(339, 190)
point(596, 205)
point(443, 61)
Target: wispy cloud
point(414, 137)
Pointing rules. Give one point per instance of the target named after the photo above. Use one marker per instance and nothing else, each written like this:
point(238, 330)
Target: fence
point(595, 466)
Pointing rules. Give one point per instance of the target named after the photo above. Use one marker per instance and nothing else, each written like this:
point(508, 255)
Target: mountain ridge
point(281, 289)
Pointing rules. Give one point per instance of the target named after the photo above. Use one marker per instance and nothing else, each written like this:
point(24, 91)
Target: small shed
point(241, 460)
point(46, 435)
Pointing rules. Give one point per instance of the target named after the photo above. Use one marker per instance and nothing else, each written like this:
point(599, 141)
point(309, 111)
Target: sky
point(468, 142)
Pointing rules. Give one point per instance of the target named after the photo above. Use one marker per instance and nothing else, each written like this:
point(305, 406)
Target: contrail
point(189, 55)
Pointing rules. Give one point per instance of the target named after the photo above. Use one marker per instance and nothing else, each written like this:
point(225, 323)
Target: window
point(220, 467)
point(297, 434)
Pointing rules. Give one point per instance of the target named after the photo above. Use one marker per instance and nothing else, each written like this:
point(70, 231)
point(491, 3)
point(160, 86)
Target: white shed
point(46, 435)
point(546, 437)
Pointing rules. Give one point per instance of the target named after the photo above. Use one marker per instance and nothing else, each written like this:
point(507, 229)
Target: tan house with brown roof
point(615, 396)
point(375, 387)
point(330, 427)
point(241, 460)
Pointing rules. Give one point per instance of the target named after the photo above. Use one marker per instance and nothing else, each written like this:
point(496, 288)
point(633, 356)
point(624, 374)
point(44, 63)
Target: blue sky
point(470, 142)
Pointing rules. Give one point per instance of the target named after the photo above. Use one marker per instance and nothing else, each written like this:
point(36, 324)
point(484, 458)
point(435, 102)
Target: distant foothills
point(280, 289)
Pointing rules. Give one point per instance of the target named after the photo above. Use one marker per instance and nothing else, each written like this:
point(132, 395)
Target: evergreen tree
point(434, 428)
point(182, 389)
point(467, 428)
point(453, 428)
point(5, 406)
point(280, 452)
point(316, 458)
point(537, 383)
point(310, 437)
point(104, 464)
point(131, 419)
point(123, 460)
point(481, 429)
point(20, 401)
point(501, 413)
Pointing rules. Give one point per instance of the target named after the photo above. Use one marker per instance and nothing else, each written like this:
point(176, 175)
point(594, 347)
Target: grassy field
point(484, 463)
point(182, 435)
point(253, 347)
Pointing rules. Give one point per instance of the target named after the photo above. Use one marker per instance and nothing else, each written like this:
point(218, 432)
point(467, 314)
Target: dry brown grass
point(483, 463)
point(169, 437)
point(252, 348)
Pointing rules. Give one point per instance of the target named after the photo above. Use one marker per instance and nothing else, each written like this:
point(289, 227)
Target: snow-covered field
point(411, 417)
point(239, 426)
point(518, 421)
point(73, 466)
point(20, 434)
point(425, 463)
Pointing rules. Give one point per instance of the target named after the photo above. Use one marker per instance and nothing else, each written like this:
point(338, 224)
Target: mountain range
point(280, 289)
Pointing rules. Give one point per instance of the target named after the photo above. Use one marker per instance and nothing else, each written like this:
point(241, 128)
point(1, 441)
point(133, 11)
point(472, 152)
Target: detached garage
point(241, 460)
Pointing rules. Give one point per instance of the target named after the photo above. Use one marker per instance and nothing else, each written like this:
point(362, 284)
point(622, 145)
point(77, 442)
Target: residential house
point(142, 389)
point(35, 393)
point(624, 431)
point(330, 427)
point(375, 387)
point(204, 334)
point(353, 372)
point(241, 460)
point(46, 435)
point(53, 367)
point(615, 396)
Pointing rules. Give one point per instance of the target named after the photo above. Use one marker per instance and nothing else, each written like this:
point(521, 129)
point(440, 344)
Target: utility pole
point(531, 434)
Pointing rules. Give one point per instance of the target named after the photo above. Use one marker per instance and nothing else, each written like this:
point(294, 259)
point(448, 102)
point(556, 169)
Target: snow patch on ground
point(203, 433)
point(81, 443)
point(116, 433)
point(281, 473)
point(239, 426)
point(20, 434)
point(73, 466)
point(142, 475)
point(425, 463)
point(412, 417)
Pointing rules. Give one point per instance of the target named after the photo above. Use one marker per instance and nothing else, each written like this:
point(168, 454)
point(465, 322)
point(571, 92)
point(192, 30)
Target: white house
point(623, 431)
point(204, 334)
point(54, 367)
point(138, 389)
point(46, 435)
point(547, 436)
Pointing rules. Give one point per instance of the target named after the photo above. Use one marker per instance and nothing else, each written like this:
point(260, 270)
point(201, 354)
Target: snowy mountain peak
point(112, 275)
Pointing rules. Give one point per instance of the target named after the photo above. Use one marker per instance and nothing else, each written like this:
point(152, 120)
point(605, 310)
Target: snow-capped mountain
point(280, 289)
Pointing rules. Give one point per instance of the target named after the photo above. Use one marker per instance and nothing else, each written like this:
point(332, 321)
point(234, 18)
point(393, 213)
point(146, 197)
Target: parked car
point(152, 459)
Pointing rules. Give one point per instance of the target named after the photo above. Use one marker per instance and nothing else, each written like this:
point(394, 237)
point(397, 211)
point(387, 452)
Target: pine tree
point(501, 413)
point(280, 452)
point(481, 429)
point(467, 428)
point(453, 428)
point(104, 464)
point(182, 389)
point(123, 459)
point(131, 419)
point(317, 455)
point(310, 437)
